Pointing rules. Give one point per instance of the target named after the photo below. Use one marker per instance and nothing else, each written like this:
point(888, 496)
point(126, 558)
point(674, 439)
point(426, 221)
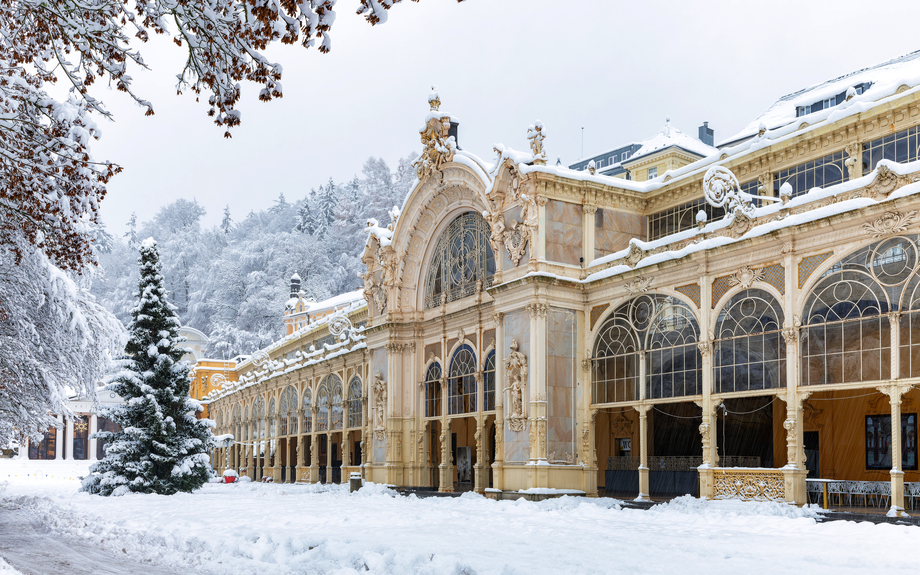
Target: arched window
point(307, 411)
point(488, 383)
point(354, 402)
point(665, 328)
point(433, 390)
point(287, 411)
point(271, 418)
point(749, 351)
point(338, 406)
point(461, 385)
point(322, 406)
point(462, 257)
point(236, 423)
point(846, 337)
point(258, 415)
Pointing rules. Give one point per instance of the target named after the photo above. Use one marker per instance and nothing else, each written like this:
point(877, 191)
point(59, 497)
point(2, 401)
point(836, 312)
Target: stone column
point(329, 457)
point(93, 423)
point(479, 436)
point(537, 381)
point(643, 452)
point(894, 392)
point(68, 438)
point(314, 456)
point(446, 479)
point(498, 318)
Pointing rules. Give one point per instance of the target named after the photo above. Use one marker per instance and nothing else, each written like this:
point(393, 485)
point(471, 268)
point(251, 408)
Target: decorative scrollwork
point(745, 277)
point(638, 286)
point(749, 484)
point(889, 224)
point(260, 357)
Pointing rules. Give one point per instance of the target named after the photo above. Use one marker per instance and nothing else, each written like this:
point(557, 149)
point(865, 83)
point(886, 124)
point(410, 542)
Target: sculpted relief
point(516, 374)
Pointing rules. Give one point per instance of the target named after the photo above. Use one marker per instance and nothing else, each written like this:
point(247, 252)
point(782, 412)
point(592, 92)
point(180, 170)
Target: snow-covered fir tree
point(162, 448)
point(226, 224)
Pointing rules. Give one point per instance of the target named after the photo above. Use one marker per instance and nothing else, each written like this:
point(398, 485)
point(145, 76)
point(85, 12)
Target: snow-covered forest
point(231, 281)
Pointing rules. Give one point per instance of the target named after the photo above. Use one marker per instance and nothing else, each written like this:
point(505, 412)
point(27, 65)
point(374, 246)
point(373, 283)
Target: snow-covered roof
point(668, 137)
point(885, 79)
point(336, 301)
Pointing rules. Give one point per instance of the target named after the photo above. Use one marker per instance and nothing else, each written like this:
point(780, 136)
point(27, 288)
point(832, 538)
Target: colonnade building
point(725, 328)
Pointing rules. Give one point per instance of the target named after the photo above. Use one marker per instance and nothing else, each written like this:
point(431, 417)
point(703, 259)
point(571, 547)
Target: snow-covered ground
point(264, 528)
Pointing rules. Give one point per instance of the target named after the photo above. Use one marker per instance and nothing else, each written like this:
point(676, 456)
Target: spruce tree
point(162, 447)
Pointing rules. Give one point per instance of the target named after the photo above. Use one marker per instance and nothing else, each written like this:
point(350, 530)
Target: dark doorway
point(746, 431)
point(812, 454)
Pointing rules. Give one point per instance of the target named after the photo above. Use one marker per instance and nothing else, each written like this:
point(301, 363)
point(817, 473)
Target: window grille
point(901, 147)
point(271, 417)
point(489, 383)
point(692, 291)
point(307, 411)
point(680, 218)
point(846, 337)
point(354, 402)
point(433, 390)
point(258, 414)
point(287, 411)
point(461, 385)
point(337, 406)
point(775, 275)
point(322, 405)
point(750, 352)
point(661, 325)
point(462, 257)
point(653, 172)
point(809, 264)
point(820, 173)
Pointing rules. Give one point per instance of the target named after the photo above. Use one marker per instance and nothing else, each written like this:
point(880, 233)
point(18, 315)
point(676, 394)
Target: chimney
point(295, 285)
point(707, 134)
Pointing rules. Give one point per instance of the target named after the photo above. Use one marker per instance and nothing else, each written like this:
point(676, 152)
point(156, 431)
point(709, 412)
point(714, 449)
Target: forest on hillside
point(232, 281)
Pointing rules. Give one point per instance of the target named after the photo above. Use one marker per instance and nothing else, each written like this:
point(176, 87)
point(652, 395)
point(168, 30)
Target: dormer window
point(829, 102)
point(653, 172)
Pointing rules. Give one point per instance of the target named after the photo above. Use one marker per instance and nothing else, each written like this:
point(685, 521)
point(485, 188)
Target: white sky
point(616, 68)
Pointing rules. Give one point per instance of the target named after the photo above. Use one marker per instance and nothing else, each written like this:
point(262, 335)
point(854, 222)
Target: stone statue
point(516, 372)
point(380, 399)
point(536, 136)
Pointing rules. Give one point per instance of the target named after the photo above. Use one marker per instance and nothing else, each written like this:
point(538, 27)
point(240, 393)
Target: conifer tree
point(162, 447)
point(226, 224)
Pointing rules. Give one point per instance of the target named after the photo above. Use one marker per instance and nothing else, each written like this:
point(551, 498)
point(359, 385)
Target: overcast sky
point(615, 68)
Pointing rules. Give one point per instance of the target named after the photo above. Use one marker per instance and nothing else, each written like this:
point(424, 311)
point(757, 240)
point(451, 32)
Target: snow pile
point(281, 528)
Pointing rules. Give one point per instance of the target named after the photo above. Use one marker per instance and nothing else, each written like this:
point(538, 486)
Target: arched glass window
point(488, 383)
point(433, 390)
point(463, 256)
point(750, 352)
point(461, 385)
point(338, 406)
point(846, 337)
point(258, 415)
point(287, 411)
point(666, 328)
point(354, 402)
point(322, 406)
point(307, 411)
point(272, 422)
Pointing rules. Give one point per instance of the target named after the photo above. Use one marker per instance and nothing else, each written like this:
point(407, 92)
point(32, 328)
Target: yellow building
point(726, 329)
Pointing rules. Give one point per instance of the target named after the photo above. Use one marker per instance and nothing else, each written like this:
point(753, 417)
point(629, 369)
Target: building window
point(878, 442)
point(307, 411)
point(461, 384)
point(287, 411)
point(322, 406)
point(462, 258)
point(901, 147)
point(846, 336)
point(750, 352)
point(488, 379)
point(821, 173)
point(433, 390)
point(600, 163)
point(680, 218)
point(44, 449)
point(665, 328)
point(653, 172)
point(337, 405)
point(354, 402)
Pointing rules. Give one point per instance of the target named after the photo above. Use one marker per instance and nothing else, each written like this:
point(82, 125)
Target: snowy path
point(299, 529)
point(31, 548)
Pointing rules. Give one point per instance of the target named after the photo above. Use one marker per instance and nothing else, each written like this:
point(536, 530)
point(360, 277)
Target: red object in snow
point(230, 479)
